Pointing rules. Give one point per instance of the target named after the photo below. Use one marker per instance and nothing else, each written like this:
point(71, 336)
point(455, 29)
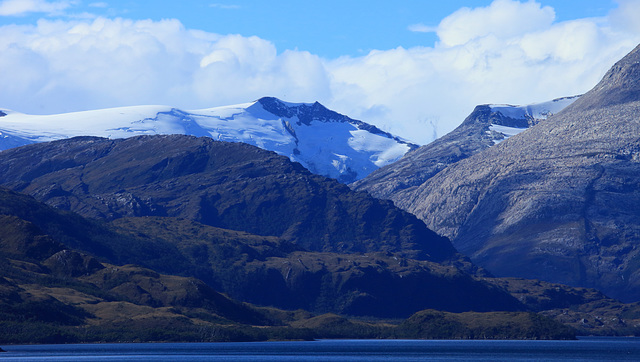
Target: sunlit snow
point(336, 149)
point(535, 112)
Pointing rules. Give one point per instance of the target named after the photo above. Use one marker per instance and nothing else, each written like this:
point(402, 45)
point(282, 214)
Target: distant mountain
point(325, 142)
point(559, 202)
point(486, 126)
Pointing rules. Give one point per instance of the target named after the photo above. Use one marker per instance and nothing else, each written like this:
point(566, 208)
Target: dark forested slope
point(249, 223)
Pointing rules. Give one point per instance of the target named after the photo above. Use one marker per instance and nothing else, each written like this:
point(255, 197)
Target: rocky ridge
point(558, 202)
point(485, 127)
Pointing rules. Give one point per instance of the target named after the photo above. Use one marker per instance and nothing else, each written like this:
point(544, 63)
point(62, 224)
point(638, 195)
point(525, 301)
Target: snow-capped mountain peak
point(324, 141)
point(509, 120)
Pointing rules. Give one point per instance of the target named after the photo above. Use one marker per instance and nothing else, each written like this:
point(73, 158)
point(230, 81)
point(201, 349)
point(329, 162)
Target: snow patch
point(505, 131)
point(537, 111)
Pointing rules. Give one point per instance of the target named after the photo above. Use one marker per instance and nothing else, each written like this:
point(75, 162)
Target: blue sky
point(333, 28)
point(414, 68)
point(329, 28)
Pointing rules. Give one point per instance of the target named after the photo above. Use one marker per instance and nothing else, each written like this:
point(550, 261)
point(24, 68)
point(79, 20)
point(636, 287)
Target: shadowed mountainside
point(228, 185)
point(251, 224)
point(50, 293)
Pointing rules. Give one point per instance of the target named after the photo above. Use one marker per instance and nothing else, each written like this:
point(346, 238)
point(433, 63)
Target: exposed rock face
point(402, 177)
point(486, 126)
point(559, 202)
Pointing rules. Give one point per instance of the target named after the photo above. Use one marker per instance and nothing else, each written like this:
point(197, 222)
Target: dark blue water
point(588, 349)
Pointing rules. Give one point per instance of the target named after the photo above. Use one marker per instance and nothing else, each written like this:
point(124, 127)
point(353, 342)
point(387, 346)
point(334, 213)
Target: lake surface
point(584, 349)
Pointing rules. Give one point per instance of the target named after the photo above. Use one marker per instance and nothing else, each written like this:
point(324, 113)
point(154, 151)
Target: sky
point(414, 68)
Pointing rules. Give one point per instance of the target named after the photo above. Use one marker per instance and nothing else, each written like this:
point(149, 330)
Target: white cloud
point(503, 18)
point(421, 28)
point(22, 7)
point(626, 16)
point(58, 66)
point(508, 52)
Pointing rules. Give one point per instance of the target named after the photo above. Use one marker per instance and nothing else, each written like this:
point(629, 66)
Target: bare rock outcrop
point(558, 202)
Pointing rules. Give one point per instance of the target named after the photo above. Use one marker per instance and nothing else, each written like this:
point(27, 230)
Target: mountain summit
point(559, 202)
point(486, 126)
point(323, 141)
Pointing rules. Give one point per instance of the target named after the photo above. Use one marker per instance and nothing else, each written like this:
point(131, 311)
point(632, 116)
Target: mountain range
point(148, 224)
point(558, 202)
point(131, 276)
point(486, 126)
point(325, 142)
point(316, 244)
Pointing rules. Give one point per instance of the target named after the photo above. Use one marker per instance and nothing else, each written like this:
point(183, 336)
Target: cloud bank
point(22, 7)
point(508, 52)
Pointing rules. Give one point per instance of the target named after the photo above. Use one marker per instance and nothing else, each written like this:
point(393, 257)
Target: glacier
point(323, 141)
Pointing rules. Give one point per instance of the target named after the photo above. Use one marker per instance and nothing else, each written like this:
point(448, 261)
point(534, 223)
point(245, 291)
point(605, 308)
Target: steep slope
point(323, 141)
point(229, 185)
point(559, 202)
point(316, 244)
point(23, 214)
point(486, 126)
